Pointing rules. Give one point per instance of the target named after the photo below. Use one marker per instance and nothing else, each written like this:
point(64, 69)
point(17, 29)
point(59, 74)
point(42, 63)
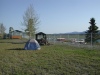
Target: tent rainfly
point(32, 44)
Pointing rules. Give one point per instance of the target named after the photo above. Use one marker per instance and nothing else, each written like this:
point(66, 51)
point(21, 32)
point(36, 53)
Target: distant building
point(61, 39)
point(16, 34)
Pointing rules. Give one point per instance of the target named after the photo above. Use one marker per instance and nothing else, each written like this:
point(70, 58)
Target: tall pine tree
point(92, 32)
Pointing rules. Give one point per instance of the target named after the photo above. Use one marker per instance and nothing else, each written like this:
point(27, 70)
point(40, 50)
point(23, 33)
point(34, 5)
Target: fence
point(77, 40)
point(67, 37)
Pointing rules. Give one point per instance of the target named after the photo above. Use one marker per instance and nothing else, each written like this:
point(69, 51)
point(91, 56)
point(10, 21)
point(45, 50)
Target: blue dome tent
point(32, 44)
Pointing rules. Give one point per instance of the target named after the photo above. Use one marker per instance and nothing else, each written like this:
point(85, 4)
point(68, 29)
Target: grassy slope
point(50, 60)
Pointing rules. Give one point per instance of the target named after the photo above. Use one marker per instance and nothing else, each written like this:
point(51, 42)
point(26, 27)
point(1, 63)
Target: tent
point(32, 44)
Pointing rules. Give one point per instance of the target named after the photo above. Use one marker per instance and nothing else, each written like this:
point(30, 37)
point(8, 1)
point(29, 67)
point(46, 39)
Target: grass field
point(50, 60)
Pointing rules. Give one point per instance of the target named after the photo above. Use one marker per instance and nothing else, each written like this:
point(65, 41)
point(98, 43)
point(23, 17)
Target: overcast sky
point(56, 16)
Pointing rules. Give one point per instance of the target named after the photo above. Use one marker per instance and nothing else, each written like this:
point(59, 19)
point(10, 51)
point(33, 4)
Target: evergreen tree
point(92, 32)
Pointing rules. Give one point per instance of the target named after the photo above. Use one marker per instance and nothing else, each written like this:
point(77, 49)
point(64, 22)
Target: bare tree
point(2, 29)
point(31, 21)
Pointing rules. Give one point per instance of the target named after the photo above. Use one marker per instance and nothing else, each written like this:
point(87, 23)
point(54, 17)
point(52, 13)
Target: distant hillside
point(72, 33)
point(77, 32)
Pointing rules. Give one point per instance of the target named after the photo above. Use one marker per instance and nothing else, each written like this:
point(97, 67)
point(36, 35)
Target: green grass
point(50, 60)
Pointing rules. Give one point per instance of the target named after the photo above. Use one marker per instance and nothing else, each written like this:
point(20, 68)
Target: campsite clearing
point(50, 60)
